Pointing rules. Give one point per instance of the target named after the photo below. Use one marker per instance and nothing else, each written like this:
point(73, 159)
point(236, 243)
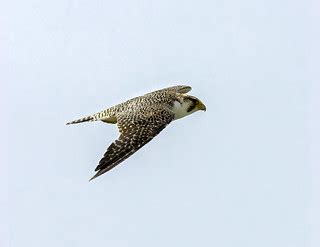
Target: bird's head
point(194, 104)
point(186, 105)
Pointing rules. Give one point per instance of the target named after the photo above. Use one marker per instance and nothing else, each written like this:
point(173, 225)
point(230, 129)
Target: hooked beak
point(202, 106)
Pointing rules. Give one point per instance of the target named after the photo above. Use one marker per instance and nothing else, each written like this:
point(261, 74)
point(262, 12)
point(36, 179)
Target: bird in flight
point(140, 119)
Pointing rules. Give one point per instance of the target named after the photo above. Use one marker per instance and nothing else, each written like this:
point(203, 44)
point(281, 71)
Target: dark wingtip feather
point(96, 175)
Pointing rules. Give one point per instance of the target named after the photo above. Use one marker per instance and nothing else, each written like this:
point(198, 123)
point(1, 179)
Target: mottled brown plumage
point(140, 119)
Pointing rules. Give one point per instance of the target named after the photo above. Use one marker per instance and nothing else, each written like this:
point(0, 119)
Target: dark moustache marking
point(193, 104)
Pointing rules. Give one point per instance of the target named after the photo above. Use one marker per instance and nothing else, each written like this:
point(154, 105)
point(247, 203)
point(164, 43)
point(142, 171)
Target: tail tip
point(81, 120)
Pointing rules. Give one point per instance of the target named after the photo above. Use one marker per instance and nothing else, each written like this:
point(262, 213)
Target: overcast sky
point(245, 173)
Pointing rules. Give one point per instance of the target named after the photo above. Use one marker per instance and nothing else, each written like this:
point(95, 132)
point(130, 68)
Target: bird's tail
point(81, 120)
point(107, 116)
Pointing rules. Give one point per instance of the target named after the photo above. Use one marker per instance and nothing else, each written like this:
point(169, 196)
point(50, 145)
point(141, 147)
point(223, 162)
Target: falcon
point(140, 119)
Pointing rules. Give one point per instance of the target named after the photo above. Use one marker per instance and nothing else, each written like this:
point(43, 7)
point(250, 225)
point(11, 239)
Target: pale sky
point(245, 173)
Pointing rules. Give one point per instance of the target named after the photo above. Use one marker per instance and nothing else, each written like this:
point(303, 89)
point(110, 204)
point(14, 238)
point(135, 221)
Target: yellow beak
point(202, 107)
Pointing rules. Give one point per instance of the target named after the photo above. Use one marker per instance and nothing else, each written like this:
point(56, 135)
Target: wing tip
point(96, 175)
point(183, 88)
point(100, 172)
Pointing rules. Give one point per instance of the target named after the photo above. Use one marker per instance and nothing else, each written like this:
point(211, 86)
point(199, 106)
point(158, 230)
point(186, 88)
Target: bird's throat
point(180, 110)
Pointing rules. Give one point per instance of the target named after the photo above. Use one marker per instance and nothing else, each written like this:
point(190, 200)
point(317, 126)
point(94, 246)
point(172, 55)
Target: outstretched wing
point(175, 89)
point(136, 130)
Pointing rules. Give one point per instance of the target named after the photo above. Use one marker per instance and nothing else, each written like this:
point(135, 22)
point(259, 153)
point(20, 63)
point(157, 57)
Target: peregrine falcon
point(140, 119)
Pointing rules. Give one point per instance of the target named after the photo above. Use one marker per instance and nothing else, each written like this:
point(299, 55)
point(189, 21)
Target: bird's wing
point(180, 89)
point(136, 130)
point(175, 89)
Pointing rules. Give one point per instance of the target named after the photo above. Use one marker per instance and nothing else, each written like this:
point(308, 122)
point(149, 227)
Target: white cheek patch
point(180, 110)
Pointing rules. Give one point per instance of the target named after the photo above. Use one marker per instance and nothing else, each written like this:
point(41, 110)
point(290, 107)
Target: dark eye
point(193, 104)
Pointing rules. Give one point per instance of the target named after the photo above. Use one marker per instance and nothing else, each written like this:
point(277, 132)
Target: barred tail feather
point(81, 120)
